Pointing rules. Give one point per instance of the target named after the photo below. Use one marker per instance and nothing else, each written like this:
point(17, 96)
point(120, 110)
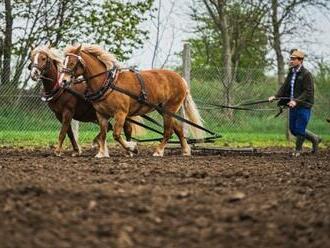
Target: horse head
point(41, 59)
point(79, 58)
point(73, 66)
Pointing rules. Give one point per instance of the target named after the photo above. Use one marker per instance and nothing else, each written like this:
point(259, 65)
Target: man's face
point(295, 62)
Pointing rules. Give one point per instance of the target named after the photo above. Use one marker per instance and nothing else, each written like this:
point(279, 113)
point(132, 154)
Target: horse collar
point(52, 96)
point(55, 92)
point(108, 83)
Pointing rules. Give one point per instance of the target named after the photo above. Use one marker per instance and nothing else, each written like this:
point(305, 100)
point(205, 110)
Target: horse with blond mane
point(163, 88)
point(45, 65)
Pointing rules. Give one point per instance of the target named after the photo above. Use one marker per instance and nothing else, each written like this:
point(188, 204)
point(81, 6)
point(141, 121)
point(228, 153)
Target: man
point(298, 93)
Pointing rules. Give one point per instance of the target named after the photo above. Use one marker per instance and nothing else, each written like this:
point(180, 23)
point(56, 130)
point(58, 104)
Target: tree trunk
point(227, 58)
point(277, 43)
point(279, 56)
point(1, 56)
point(7, 44)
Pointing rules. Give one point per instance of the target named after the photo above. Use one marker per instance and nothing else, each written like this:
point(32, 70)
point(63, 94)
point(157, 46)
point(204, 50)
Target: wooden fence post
point(186, 62)
point(186, 67)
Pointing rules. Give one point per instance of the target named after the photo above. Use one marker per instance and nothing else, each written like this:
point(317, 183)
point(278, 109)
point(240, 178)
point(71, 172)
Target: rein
point(267, 101)
point(160, 109)
point(109, 84)
point(55, 92)
point(110, 80)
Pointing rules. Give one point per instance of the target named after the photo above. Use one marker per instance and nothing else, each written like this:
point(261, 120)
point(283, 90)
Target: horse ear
point(79, 48)
point(49, 44)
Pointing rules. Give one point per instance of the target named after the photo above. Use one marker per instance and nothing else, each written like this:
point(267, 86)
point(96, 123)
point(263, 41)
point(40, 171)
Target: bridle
point(42, 69)
point(81, 62)
point(71, 71)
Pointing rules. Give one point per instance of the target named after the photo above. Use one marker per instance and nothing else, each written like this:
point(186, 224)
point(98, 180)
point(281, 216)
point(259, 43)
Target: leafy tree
point(288, 19)
point(111, 23)
point(229, 36)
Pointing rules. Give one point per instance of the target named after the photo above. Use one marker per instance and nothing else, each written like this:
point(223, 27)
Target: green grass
point(229, 139)
point(31, 123)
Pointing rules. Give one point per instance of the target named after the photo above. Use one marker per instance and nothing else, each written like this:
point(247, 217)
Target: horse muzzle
point(35, 74)
point(64, 81)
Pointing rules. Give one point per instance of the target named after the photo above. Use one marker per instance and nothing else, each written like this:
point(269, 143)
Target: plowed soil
point(219, 200)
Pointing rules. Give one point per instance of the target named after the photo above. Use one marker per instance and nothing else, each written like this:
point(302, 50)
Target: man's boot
point(316, 140)
point(299, 144)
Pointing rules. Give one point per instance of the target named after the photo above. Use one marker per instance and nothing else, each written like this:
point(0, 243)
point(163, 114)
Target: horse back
point(160, 85)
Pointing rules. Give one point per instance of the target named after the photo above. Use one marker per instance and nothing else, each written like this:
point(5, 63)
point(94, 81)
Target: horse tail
point(191, 112)
point(137, 130)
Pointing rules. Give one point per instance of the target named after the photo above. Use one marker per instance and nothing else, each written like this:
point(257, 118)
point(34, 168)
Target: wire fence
point(26, 119)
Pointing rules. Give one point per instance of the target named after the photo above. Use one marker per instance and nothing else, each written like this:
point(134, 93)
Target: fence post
point(186, 67)
point(75, 129)
point(186, 62)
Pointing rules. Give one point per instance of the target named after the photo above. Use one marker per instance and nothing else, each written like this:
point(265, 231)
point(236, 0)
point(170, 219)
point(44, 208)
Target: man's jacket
point(303, 89)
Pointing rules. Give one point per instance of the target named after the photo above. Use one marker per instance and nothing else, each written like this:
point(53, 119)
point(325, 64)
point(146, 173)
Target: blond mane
point(108, 59)
point(52, 53)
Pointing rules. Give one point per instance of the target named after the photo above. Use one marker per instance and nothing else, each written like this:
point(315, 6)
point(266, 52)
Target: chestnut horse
point(45, 64)
point(163, 88)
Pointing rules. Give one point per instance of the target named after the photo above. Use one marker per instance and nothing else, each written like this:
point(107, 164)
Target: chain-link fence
point(26, 120)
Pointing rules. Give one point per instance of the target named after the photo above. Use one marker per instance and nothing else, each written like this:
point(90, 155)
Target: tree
point(287, 19)
point(161, 24)
point(230, 35)
point(6, 44)
point(111, 23)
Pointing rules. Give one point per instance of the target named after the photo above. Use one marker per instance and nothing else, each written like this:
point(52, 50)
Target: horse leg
point(103, 148)
point(95, 142)
point(128, 130)
point(129, 146)
point(178, 129)
point(75, 146)
point(168, 131)
point(66, 119)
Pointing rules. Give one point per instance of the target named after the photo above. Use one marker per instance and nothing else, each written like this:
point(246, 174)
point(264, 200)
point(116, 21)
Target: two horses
point(45, 66)
point(162, 88)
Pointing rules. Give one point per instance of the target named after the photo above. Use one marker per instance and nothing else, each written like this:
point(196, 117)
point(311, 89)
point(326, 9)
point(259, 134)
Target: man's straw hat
point(297, 54)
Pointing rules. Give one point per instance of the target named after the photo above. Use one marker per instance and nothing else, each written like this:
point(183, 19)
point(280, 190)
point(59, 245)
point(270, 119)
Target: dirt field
point(227, 200)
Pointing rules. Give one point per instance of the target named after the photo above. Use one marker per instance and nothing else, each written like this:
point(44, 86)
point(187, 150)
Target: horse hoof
point(158, 154)
point(99, 155)
point(131, 154)
point(296, 154)
point(95, 145)
point(76, 154)
point(135, 151)
point(58, 154)
point(186, 153)
point(132, 147)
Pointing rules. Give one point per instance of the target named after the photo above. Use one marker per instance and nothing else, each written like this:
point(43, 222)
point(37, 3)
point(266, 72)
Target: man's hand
point(292, 104)
point(271, 98)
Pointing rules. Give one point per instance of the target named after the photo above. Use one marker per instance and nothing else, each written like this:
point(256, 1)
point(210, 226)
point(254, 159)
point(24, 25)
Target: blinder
point(72, 71)
point(42, 69)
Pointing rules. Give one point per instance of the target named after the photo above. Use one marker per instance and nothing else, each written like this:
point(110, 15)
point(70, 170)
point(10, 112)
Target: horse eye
point(43, 59)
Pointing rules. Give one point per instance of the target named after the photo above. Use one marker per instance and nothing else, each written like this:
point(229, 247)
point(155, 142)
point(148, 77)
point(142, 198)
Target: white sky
point(175, 28)
point(179, 23)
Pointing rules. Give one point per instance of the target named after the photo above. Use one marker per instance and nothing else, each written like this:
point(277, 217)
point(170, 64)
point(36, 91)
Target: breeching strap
point(160, 109)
